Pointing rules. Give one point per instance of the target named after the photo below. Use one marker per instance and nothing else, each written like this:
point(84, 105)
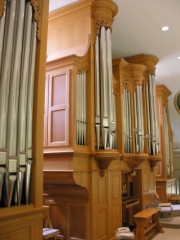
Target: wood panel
point(161, 190)
point(58, 108)
point(22, 227)
point(78, 211)
point(66, 22)
point(115, 202)
point(68, 212)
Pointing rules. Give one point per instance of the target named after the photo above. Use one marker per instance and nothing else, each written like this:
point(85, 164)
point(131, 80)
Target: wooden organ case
point(165, 171)
point(133, 136)
point(96, 128)
point(81, 187)
point(23, 42)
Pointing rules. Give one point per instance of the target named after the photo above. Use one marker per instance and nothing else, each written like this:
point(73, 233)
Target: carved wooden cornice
point(82, 63)
point(126, 83)
point(162, 90)
point(149, 61)
point(115, 86)
point(104, 12)
point(37, 15)
point(138, 74)
point(82, 69)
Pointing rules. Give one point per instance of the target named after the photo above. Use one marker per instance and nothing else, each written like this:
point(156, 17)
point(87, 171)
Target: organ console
point(129, 196)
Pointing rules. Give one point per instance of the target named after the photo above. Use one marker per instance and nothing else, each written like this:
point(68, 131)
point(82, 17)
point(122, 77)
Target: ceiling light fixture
point(165, 28)
point(178, 57)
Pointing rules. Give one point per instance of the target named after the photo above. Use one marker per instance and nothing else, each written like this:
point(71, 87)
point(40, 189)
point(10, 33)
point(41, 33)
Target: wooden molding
point(163, 91)
point(153, 160)
point(134, 160)
point(149, 61)
point(104, 158)
point(1, 8)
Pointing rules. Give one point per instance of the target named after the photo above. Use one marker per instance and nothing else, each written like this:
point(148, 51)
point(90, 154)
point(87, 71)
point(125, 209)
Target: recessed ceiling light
point(165, 28)
point(178, 57)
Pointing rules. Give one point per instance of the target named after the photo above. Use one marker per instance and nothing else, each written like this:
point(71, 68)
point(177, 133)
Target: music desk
point(147, 223)
point(175, 199)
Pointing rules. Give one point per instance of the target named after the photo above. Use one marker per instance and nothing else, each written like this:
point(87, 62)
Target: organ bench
point(147, 223)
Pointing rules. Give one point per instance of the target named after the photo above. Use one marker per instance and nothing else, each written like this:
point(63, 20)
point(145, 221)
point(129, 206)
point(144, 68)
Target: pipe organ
point(130, 103)
point(100, 122)
point(22, 70)
point(151, 130)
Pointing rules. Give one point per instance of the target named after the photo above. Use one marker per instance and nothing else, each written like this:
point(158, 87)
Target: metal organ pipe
point(148, 118)
point(138, 119)
point(130, 129)
point(17, 67)
point(97, 93)
point(23, 92)
point(14, 89)
point(11, 165)
point(81, 108)
point(2, 153)
point(29, 114)
point(124, 118)
point(166, 137)
point(2, 24)
point(152, 111)
point(105, 124)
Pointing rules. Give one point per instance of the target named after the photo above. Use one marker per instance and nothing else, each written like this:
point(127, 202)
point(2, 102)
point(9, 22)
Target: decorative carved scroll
point(126, 83)
point(82, 69)
point(37, 15)
point(138, 73)
point(103, 23)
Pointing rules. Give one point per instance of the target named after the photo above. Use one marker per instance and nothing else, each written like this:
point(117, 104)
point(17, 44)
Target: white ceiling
point(137, 30)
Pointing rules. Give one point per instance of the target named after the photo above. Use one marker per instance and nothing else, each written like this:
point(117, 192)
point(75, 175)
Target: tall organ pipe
point(104, 120)
point(30, 111)
point(148, 118)
point(2, 158)
point(97, 92)
point(14, 90)
point(2, 24)
point(4, 97)
point(154, 136)
point(81, 108)
point(5, 74)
